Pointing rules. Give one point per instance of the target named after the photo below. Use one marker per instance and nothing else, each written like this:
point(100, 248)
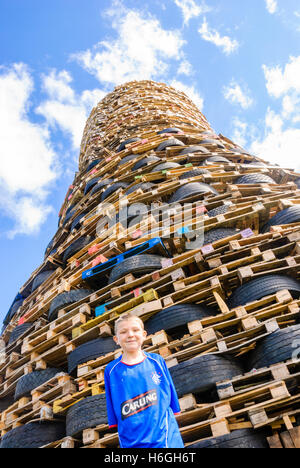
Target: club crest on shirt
point(156, 378)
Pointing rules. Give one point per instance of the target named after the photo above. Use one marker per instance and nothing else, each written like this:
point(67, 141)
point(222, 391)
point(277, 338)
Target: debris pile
point(197, 236)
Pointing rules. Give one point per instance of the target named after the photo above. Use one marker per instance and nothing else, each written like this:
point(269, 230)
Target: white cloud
point(65, 109)
point(271, 6)
point(279, 144)
point(239, 135)
point(291, 106)
point(29, 213)
point(227, 44)
point(28, 163)
point(142, 49)
point(190, 91)
point(190, 9)
point(58, 86)
point(236, 95)
point(185, 68)
point(283, 80)
point(278, 139)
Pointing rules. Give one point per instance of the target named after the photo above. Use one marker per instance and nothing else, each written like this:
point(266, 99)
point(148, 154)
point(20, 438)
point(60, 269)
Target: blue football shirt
point(141, 401)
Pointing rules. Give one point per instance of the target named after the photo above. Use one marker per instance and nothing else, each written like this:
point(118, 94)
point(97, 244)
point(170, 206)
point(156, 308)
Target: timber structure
point(198, 237)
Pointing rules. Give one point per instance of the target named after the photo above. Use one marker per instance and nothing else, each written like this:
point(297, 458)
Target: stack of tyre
point(198, 375)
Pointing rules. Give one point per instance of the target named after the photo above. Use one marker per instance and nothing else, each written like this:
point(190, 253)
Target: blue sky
point(238, 61)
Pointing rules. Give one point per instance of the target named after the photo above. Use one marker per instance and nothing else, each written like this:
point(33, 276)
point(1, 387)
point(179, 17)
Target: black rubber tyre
point(239, 151)
point(190, 189)
point(71, 208)
point(89, 351)
point(130, 157)
point(242, 438)
point(165, 166)
point(29, 382)
point(69, 215)
point(33, 435)
point(217, 211)
point(41, 278)
point(200, 374)
point(66, 299)
point(101, 185)
point(193, 149)
point(91, 183)
point(218, 234)
point(76, 247)
point(216, 159)
point(76, 224)
point(287, 216)
point(175, 316)
point(139, 265)
point(193, 173)
point(168, 143)
point(92, 165)
point(169, 130)
point(13, 310)
point(275, 348)
point(5, 321)
point(132, 213)
point(145, 162)
point(133, 221)
point(145, 186)
point(18, 331)
point(49, 247)
point(208, 141)
point(86, 414)
point(6, 402)
point(257, 163)
point(113, 188)
point(263, 286)
point(254, 179)
point(126, 142)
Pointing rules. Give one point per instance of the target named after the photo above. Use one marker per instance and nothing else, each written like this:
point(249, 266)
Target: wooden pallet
point(134, 304)
point(44, 350)
point(74, 280)
point(65, 443)
point(282, 371)
point(40, 404)
point(204, 421)
point(180, 350)
point(61, 405)
point(289, 439)
point(206, 332)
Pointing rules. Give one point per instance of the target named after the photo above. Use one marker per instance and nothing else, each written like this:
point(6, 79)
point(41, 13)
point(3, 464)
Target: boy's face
point(130, 335)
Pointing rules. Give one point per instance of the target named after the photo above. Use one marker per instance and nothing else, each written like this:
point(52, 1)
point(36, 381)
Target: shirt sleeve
point(174, 398)
point(112, 419)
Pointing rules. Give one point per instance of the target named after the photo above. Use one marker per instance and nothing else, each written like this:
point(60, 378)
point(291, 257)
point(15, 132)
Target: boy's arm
point(112, 420)
point(174, 398)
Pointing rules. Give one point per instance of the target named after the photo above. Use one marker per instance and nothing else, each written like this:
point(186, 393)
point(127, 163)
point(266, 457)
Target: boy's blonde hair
point(125, 317)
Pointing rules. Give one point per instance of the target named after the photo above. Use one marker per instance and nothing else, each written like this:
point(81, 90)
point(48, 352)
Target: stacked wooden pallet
point(202, 241)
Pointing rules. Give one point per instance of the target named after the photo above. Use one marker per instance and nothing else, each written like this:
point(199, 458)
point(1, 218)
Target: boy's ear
point(115, 338)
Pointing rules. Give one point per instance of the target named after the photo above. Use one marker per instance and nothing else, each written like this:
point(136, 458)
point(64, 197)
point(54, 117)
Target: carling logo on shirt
point(138, 403)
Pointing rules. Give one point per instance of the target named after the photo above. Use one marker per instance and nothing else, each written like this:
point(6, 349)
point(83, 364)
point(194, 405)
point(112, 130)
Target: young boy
point(140, 395)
